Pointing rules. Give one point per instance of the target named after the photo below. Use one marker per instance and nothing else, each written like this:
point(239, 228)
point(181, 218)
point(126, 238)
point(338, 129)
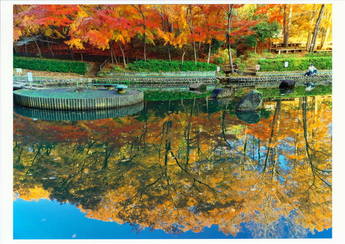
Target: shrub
point(54, 65)
point(116, 68)
point(154, 65)
point(319, 54)
point(218, 60)
point(295, 63)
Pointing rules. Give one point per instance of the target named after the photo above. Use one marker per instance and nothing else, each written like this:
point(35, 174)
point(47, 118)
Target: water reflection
point(186, 165)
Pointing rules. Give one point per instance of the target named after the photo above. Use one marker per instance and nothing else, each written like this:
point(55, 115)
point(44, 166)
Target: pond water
point(177, 169)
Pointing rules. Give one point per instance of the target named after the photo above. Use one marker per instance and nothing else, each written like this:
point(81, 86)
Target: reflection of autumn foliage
point(188, 169)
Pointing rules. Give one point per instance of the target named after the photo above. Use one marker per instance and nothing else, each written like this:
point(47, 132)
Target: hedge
point(319, 54)
point(277, 64)
point(54, 65)
point(154, 65)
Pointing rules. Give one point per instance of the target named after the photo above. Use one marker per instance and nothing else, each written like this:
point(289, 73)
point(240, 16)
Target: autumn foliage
point(141, 31)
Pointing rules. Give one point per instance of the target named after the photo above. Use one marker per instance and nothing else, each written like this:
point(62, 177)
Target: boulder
point(287, 85)
point(222, 93)
point(198, 87)
point(250, 102)
point(250, 117)
point(78, 89)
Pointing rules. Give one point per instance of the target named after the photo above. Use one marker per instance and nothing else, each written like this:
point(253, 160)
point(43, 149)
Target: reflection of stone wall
point(274, 81)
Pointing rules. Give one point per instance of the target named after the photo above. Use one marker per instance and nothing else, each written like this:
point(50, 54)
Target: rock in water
point(198, 87)
point(250, 117)
point(287, 84)
point(250, 102)
point(222, 92)
point(309, 88)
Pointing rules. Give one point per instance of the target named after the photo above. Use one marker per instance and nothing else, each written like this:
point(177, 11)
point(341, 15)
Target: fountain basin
point(72, 99)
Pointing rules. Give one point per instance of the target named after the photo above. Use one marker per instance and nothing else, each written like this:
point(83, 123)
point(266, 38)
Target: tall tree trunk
point(50, 48)
point(316, 29)
point(286, 24)
point(182, 57)
point(228, 37)
point(144, 42)
point(169, 54)
point(310, 33)
point(308, 41)
point(194, 49)
point(38, 49)
point(209, 52)
point(140, 10)
point(115, 58)
point(325, 33)
point(111, 53)
point(123, 55)
point(191, 27)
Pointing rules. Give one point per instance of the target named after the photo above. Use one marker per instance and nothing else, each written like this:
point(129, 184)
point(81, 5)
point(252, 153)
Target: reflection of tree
point(186, 169)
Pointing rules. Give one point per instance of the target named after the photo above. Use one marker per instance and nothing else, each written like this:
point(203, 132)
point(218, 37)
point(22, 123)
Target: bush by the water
point(53, 65)
point(277, 64)
point(319, 54)
point(155, 65)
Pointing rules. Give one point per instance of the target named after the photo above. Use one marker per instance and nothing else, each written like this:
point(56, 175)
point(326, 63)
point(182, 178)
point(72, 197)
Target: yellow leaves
point(17, 33)
point(48, 32)
point(35, 193)
point(75, 43)
point(81, 12)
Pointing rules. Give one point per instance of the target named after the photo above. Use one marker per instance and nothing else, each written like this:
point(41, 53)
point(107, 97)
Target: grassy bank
point(297, 63)
point(54, 65)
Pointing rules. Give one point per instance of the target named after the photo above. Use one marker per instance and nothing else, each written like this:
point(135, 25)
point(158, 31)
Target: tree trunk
point(286, 24)
point(144, 42)
point(310, 33)
point(228, 38)
point(38, 49)
point(111, 53)
point(123, 55)
point(182, 58)
point(50, 49)
point(194, 50)
point(191, 27)
point(325, 33)
point(169, 54)
point(209, 52)
point(316, 29)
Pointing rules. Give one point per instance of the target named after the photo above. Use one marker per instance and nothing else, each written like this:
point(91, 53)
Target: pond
point(177, 169)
